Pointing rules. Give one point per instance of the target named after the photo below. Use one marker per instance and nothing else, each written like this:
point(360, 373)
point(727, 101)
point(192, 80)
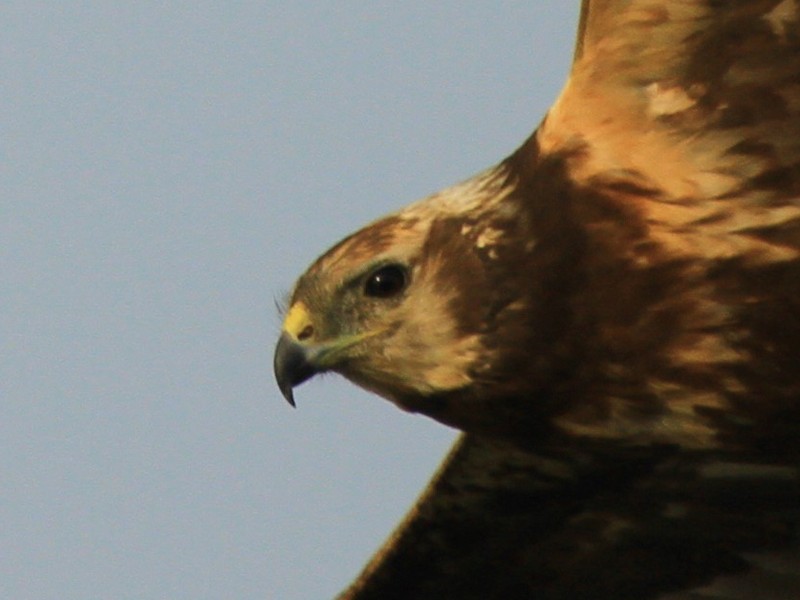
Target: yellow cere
point(296, 320)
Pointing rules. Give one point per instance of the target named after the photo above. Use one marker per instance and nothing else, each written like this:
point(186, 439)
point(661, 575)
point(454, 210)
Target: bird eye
point(386, 282)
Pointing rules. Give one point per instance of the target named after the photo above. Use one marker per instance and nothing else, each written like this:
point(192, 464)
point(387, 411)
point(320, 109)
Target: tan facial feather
point(429, 352)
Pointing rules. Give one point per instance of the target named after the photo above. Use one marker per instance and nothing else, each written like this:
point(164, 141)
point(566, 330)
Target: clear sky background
point(166, 171)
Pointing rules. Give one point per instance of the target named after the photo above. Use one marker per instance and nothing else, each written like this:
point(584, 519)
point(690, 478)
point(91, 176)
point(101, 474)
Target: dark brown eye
point(386, 282)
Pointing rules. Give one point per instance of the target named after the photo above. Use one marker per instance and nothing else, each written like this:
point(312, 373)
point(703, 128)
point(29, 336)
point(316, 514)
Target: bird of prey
point(611, 315)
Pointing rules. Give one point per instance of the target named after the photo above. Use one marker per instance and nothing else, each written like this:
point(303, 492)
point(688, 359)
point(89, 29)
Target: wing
point(693, 101)
point(582, 521)
point(678, 136)
point(670, 469)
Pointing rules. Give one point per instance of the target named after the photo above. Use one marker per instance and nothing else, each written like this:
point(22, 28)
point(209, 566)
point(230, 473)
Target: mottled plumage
point(611, 315)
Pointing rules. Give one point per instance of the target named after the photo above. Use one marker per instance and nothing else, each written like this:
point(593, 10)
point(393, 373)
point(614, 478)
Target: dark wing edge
point(579, 38)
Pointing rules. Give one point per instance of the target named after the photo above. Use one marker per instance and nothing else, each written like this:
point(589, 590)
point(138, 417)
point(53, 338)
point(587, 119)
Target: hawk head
point(389, 309)
point(429, 307)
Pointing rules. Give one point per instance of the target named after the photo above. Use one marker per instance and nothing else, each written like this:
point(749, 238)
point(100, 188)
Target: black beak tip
point(288, 393)
point(292, 367)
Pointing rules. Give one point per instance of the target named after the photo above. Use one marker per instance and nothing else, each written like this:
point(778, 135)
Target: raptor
point(611, 315)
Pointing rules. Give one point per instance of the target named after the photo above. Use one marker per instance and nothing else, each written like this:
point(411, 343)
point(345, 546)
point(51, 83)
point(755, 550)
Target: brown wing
point(696, 102)
point(679, 134)
point(583, 522)
point(672, 470)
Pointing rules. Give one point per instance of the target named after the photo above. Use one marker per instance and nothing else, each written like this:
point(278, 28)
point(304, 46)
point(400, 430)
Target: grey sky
point(168, 169)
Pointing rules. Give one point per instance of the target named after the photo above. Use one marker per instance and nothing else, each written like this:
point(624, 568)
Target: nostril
point(307, 332)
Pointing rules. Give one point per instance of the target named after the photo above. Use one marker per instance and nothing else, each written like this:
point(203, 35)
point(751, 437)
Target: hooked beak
point(292, 366)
